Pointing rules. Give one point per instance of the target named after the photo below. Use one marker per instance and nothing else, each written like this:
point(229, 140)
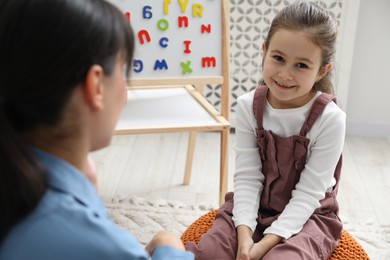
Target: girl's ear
point(324, 70)
point(264, 52)
point(93, 87)
point(264, 48)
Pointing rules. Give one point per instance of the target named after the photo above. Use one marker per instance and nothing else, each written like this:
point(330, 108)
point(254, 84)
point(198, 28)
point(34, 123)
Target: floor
point(152, 166)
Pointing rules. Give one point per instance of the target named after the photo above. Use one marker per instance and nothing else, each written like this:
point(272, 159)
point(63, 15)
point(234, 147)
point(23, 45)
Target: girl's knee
point(211, 248)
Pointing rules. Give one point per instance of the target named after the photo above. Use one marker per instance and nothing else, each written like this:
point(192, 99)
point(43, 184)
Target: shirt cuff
point(171, 253)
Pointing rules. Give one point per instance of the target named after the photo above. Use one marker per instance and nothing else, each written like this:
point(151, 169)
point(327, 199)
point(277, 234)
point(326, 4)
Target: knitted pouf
point(348, 247)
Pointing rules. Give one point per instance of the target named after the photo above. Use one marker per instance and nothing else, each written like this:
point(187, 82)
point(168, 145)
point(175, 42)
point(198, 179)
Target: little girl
point(289, 139)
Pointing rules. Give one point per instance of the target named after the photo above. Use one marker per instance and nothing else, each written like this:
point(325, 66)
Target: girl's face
point(292, 64)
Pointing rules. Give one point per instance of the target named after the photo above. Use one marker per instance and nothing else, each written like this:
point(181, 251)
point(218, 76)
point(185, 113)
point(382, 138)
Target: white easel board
point(175, 38)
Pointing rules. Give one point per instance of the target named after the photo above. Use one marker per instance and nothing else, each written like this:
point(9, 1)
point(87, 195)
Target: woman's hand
point(245, 242)
point(164, 238)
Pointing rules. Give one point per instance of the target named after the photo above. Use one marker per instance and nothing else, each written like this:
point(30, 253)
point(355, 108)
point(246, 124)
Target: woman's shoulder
point(57, 223)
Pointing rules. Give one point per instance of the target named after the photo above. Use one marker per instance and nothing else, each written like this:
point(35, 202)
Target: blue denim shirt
point(71, 222)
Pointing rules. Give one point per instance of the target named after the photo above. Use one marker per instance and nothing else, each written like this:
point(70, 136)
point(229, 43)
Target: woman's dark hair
point(46, 50)
point(318, 24)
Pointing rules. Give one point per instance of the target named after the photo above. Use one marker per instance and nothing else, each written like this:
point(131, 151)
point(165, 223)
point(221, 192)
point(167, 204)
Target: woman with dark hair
point(62, 89)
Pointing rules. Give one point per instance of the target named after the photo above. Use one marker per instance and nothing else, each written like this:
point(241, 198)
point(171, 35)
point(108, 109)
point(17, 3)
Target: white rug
point(145, 218)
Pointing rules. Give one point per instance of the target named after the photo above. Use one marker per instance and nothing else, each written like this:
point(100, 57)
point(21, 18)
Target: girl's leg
point(317, 240)
point(220, 241)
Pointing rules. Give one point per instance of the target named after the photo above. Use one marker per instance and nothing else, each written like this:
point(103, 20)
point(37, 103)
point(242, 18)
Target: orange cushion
point(199, 227)
point(348, 247)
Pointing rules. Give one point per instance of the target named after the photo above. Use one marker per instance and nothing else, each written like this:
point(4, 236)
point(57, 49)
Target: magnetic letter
point(166, 6)
point(197, 9)
point(181, 20)
point(163, 24)
point(144, 33)
point(147, 13)
point(208, 61)
point(164, 42)
point(205, 28)
point(183, 5)
point(160, 65)
point(187, 44)
point(127, 14)
point(186, 67)
point(138, 66)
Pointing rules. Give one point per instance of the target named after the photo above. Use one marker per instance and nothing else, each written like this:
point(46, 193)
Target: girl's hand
point(259, 249)
point(164, 238)
point(245, 242)
point(244, 248)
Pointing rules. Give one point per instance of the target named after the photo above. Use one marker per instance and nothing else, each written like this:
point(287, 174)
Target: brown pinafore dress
point(283, 159)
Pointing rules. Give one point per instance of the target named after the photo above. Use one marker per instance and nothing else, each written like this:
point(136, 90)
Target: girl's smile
point(287, 86)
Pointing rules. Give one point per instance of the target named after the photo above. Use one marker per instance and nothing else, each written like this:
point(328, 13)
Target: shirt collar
point(64, 177)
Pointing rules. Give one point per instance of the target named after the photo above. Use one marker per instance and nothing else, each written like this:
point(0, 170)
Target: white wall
point(368, 95)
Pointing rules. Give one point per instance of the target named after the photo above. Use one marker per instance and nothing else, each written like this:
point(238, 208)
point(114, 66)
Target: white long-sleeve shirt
point(326, 143)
